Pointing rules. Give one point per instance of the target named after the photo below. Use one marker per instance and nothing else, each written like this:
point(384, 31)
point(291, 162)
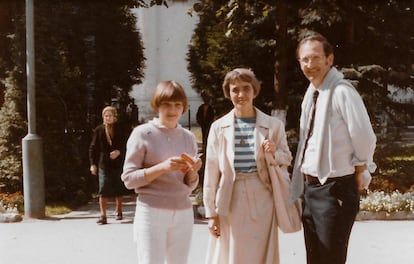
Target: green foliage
point(395, 168)
point(366, 32)
point(217, 48)
point(12, 130)
point(81, 66)
point(87, 54)
point(93, 63)
point(371, 48)
point(13, 87)
point(263, 35)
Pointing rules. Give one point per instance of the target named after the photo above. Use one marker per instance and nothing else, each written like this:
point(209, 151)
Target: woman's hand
point(214, 226)
point(94, 170)
point(114, 154)
point(269, 146)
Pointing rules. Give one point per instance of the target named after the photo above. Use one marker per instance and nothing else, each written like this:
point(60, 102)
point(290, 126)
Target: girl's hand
point(174, 163)
point(193, 164)
point(197, 166)
point(168, 165)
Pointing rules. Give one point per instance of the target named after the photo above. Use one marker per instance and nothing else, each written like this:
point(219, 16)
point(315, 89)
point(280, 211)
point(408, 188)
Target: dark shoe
point(119, 216)
point(102, 220)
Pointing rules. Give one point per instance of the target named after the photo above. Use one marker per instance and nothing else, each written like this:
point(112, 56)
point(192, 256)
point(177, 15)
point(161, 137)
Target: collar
point(261, 119)
point(156, 122)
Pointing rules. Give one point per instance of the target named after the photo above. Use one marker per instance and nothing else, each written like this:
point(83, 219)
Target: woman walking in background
point(163, 177)
point(237, 190)
point(106, 153)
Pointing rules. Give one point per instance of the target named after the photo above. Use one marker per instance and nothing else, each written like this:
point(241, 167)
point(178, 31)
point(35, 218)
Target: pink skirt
point(249, 233)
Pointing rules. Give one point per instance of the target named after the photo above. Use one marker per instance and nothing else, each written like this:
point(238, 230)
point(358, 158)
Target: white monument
point(166, 34)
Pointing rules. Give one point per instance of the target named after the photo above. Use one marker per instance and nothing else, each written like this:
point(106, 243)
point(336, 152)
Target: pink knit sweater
point(148, 145)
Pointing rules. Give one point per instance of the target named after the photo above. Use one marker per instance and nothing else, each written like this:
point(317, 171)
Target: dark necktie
point(312, 121)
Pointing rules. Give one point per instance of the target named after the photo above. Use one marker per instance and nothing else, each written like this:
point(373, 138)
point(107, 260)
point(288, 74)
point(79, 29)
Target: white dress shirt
point(342, 136)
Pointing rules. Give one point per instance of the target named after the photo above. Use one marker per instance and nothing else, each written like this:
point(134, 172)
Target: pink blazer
point(219, 174)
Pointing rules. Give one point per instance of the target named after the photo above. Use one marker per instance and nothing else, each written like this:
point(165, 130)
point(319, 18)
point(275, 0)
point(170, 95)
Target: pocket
point(346, 192)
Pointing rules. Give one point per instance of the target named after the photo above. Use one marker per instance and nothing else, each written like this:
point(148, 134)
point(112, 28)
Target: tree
point(369, 40)
point(13, 89)
point(92, 67)
point(87, 54)
point(365, 36)
point(217, 47)
point(11, 134)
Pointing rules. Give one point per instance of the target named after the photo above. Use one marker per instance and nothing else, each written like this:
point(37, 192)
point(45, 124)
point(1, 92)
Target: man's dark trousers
point(329, 213)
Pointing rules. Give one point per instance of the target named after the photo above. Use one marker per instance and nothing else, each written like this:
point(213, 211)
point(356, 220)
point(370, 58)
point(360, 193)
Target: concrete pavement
point(76, 238)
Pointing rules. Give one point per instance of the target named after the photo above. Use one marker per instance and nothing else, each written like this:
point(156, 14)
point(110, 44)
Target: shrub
point(12, 202)
point(388, 202)
point(12, 130)
point(395, 168)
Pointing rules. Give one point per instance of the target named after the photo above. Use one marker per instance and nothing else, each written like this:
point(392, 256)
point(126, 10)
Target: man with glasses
point(334, 156)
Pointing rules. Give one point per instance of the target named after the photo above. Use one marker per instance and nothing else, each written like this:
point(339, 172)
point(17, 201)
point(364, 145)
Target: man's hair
point(314, 36)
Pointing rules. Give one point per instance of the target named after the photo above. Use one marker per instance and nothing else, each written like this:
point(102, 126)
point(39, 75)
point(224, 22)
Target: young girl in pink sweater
point(162, 179)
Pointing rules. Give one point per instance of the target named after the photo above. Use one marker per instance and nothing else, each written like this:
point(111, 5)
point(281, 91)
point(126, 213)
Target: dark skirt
point(110, 183)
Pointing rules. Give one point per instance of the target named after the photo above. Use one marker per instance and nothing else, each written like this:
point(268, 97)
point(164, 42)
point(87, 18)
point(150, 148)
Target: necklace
point(245, 136)
point(244, 129)
point(242, 141)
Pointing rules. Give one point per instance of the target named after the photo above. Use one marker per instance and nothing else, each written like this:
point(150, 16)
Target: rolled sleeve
point(359, 127)
point(193, 183)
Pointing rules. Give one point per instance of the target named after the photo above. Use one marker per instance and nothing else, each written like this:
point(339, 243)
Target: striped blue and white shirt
point(244, 140)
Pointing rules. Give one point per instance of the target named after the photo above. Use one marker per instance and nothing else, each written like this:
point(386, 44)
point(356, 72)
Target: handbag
point(288, 215)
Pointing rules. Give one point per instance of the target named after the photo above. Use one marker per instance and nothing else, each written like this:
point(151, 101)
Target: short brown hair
point(167, 91)
point(241, 74)
point(314, 36)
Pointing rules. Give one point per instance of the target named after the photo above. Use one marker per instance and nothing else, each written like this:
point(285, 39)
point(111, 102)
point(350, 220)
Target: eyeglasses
point(312, 59)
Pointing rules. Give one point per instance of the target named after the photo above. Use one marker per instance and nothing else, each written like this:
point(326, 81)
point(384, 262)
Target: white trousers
point(162, 236)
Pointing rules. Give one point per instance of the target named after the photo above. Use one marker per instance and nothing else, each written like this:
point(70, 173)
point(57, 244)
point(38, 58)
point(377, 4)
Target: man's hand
point(359, 178)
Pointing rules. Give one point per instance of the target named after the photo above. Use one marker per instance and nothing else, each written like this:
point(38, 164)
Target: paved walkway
point(75, 238)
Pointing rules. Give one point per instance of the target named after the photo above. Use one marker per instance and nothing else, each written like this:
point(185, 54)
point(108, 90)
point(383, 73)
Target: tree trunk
point(281, 56)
